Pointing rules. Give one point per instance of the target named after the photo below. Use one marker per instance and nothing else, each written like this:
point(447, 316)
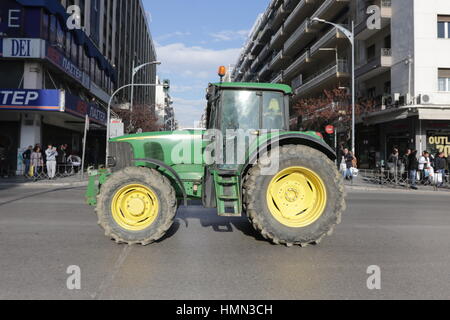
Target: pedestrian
point(424, 164)
point(439, 167)
point(51, 154)
point(348, 159)
point(393, 162)
point(26, 156)
point(413, 165)
point(3, 161)
point(405, 159)
point(36, 162)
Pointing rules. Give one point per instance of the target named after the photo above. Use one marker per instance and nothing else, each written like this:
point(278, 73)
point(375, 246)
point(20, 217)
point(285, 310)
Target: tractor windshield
point(250, 110)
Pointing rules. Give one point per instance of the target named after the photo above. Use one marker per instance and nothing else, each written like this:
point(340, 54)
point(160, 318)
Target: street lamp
point(351, 37)
point(133, 74)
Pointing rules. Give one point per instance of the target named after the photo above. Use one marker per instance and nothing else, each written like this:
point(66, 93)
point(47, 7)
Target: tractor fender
point(171, 170)
point(290, 138)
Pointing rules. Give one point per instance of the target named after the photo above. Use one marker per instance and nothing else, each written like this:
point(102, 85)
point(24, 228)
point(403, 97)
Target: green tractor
point(285, 182)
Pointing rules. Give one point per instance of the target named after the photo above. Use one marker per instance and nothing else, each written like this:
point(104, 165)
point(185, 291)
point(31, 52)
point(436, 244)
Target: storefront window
point(45, 22)
point(59, 34)
point(52, 29)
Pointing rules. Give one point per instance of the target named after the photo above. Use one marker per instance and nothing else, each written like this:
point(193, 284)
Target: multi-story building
point(53, 74)
point(164, 107)
point(405, 67)
point(402, 65)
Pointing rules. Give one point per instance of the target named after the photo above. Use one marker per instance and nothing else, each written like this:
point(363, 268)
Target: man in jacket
point(413, 165)
point(51, 155)
point(439, 166)
point(27, 159)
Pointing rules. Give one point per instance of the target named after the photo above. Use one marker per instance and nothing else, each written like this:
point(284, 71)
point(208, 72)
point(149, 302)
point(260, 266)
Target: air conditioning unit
point(425, 99)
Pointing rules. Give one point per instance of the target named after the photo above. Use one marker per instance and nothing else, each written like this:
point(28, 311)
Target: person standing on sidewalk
point(348, 159)
point(439, 166)
point(51, 155)
point(413, 166)
point(27, 160)
point(36, 162)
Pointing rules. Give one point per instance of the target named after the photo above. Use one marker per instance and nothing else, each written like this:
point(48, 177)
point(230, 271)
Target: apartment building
point(405, 67)
point(402, 65)
point(164, 107)
point(52, 76)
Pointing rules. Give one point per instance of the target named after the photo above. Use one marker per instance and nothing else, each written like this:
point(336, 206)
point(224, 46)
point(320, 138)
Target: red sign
point(329, 129)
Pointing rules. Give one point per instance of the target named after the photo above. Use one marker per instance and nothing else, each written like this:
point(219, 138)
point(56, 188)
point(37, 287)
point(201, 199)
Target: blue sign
point(42, 100)
point(76, 106)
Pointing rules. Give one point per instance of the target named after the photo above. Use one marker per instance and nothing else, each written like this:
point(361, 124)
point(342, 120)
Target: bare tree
point(143, 117)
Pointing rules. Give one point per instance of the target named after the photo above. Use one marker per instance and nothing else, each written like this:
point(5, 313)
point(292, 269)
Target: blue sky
point(193, 38)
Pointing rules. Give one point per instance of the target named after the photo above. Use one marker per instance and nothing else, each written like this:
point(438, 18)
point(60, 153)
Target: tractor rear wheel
point(301, 203)
point(136, 206)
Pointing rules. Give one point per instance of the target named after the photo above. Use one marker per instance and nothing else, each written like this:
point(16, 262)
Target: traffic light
point(166, 85)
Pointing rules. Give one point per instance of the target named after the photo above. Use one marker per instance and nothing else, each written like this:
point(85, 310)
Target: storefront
point(31, 117)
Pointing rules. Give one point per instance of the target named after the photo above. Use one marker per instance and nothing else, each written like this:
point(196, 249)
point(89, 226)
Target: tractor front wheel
point(300, 202)
point(136, 206)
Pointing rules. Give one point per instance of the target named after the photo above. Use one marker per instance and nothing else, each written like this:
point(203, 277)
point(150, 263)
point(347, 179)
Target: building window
point(444, 27)
point(444, 80)
point(370, 52)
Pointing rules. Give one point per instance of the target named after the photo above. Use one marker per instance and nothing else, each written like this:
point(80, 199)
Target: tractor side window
point(273, 106)
point(240, 110)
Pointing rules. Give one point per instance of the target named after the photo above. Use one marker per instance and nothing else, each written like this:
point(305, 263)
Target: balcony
point(278, 39)
point(299, 13)
point(328, 43)
point(299, 38)
point(283, 11)
point(330, 8)
point(328, 78)
point(278, 78)
point(375, 66)
point(297, 66)
point(279, 61)
point(265, 52)
point(362, 32)
point(264, 72)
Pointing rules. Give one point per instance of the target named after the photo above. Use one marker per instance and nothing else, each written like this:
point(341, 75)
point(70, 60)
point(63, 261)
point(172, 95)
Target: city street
point(44, 231)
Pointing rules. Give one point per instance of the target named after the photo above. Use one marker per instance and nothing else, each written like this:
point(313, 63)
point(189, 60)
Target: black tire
point(255, 194)
point(167, 205)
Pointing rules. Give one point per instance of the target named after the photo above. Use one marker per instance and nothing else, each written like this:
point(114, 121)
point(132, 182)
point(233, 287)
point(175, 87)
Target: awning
point(434, 114)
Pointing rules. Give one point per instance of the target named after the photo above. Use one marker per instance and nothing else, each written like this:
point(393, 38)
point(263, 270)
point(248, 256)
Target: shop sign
point(67, 66)
point(22, 48)
point(43, 100)
point(439, 143)
point(78, 107)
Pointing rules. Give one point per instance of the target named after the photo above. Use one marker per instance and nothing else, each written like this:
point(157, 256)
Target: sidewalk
point(19, 181)
point(359, 183)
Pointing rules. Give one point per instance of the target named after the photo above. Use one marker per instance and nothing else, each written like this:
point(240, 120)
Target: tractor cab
point(248, 106)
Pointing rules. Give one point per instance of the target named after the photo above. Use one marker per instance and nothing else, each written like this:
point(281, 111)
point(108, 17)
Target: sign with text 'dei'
point(23, 48)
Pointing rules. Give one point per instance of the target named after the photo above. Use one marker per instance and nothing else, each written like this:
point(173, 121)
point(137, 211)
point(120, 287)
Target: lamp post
point(351, 37)
point(133, 74)
point(108, 125)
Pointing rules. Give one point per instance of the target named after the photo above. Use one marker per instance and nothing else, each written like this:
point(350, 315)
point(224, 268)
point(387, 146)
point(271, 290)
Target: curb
point(384, 190)
point(43, 185)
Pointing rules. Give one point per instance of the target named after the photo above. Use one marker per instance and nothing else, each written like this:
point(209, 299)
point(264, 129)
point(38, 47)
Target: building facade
point(164, 107)
point(53, 74)
point(402, 65)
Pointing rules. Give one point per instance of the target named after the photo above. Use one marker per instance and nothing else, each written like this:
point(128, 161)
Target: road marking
point(109, 279)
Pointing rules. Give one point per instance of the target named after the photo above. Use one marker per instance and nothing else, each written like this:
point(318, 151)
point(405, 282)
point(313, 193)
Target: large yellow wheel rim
point(135, 207)
point(296, 197)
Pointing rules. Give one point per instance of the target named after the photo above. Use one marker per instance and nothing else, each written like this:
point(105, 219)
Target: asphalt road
point(406, 234)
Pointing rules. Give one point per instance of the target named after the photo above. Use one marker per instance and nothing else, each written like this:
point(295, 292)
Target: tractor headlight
point(111, 162)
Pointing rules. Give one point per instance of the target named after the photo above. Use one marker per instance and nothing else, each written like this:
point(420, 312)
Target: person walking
point(51, 154)
point(413, 166)
point(348, 159)
point(26, 156)
point(439, 167)
point(36, 162)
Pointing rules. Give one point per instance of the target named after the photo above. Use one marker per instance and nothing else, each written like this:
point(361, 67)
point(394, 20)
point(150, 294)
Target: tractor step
point(228, 195)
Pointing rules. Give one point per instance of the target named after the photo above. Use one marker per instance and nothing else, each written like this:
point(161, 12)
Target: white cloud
point(194, 62)
point(173, 35)
point(228, 35)
point(188, 112)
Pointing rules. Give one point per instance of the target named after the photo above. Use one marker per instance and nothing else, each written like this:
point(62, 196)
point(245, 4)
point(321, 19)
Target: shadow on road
point(210, 219)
